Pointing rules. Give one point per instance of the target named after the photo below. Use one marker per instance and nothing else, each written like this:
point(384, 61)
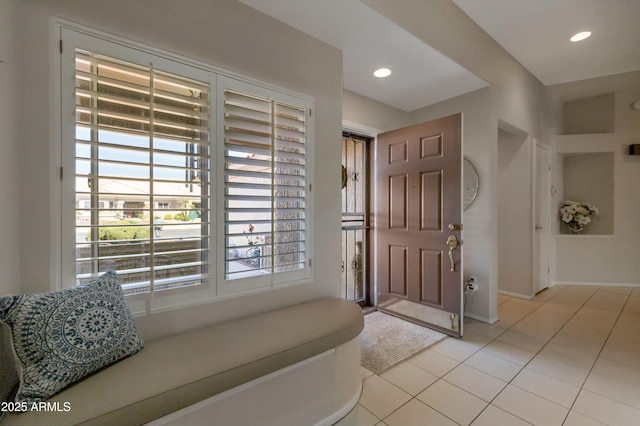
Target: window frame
point(66, 37)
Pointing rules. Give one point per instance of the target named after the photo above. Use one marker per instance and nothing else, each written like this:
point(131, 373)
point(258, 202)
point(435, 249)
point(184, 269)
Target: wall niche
point(590, 115)
point(589, 177)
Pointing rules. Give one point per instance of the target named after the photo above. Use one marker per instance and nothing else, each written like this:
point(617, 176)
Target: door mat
point(387, 340)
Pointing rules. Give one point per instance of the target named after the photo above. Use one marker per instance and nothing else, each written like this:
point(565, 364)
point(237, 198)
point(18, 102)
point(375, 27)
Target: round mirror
point(470, 183)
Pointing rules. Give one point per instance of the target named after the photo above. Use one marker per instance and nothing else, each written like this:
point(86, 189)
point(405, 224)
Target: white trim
point(362, 129)
point(518, 295)
point(55, 163)
point(481, 318)
point(596, 284)
point(580, 236)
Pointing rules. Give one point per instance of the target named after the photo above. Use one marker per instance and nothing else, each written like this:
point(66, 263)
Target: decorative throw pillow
point(63, 336)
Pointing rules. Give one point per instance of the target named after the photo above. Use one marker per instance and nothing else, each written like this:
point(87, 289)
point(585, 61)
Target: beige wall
point(223, 33)
point(9, 155)
point(515, 98)
point(598, 259)
point(589, 177)
point(367, 113)
point(595, 259)
point(516, 92)
point(202, 29)
point(515, 214)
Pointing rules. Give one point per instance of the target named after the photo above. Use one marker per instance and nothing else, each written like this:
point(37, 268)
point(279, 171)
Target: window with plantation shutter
point(190, 182)
point(265, 186)
point(141, 174)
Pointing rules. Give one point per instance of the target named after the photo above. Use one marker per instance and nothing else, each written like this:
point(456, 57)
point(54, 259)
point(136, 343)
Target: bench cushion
point(177, 371)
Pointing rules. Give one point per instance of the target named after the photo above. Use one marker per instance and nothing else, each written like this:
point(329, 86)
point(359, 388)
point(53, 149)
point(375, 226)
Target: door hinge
point(61, 46)
point(310, 112)
point(309, 263)
point(549, 165)
point(309, 187)
point(61, 172)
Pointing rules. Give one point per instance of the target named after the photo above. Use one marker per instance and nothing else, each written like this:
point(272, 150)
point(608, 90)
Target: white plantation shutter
point(147, 138)
point(265, 185)
point(141, 174)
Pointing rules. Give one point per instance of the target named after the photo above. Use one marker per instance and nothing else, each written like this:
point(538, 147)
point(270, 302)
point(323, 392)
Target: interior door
point(418, 228)
point(542, 219)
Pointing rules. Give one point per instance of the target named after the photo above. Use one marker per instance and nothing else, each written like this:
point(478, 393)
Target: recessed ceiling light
point(580, 36)
point(382, 72)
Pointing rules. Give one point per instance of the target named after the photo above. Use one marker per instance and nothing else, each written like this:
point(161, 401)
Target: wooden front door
point(418, 220)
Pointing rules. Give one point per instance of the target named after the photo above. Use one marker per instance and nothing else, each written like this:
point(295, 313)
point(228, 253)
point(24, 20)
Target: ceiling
point(535, 33)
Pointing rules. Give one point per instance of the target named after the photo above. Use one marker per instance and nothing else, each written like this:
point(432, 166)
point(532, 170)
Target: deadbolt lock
point(455, 227)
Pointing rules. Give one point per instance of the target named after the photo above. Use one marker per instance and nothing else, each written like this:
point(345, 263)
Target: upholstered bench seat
point(175, 372)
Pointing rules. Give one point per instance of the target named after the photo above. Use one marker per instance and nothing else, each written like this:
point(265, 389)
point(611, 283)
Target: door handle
point(538, 227)
point(453, 243)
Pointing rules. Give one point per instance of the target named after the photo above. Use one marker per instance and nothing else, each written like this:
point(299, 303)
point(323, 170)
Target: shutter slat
point(137, 133)
point(190, 110)
point(142, 136)
point(137, 119)
point(264, 151)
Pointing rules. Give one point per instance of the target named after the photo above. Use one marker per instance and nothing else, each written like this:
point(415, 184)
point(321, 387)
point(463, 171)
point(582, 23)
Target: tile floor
point(571, 356)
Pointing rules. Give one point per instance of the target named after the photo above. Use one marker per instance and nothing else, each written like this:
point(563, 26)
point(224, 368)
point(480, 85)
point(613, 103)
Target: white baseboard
point(596, 284)
point(518, 295)
point(481, 318)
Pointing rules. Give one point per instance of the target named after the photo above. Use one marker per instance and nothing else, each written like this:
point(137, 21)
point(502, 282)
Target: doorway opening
point(515, 212)
point(542, 219)
point(355, 218)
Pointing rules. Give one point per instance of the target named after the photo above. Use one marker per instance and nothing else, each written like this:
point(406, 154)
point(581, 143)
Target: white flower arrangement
point(577, 215)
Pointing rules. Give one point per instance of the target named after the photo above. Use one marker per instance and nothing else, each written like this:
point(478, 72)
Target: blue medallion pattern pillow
point(63, 336)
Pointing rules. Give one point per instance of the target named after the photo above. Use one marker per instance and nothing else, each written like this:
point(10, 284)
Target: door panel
point(398, 152)
point(398, 202)
point(430, 201)
point(431, 260)
point(418, 193)
point(398, 269)
point(431, 146)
